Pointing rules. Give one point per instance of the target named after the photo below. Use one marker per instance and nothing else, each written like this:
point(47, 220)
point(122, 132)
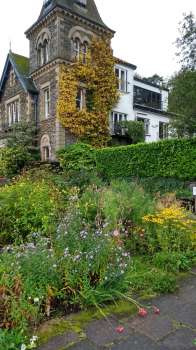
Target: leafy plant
point(13, 160)
point(172, 262)
point(77, 157)
point(134, 130)
point(28, 207)
point(172, 229)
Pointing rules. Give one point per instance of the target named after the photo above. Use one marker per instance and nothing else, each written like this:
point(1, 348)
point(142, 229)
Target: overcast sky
point(145, 30)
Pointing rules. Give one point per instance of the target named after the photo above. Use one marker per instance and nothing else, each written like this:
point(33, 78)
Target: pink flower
point(116, 233)
point(142, 312)
point(120, 329)
point(156, 310)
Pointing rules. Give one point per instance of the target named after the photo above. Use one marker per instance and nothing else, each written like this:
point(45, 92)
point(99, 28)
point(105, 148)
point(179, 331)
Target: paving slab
point(60, 342)
point(138, 342)
point(173, 329)
point(154, 326)
point(182, 339)
point(85, 345)
point(103, 332)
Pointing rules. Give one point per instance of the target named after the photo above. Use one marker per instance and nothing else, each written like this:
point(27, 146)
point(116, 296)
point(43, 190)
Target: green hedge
point(168, 158)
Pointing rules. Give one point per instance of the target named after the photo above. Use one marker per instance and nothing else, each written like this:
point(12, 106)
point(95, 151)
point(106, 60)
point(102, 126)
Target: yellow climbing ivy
point(97, 77)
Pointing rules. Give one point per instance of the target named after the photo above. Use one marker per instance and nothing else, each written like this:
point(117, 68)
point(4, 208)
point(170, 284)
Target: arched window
point(84, 51)
point(45, 51)
point(45, 148)
point(39, 55)
point(76, 48)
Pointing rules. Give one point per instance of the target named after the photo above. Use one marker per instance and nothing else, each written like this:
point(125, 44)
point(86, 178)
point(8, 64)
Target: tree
point(186, 43)
point(21, 134)
point(182, 102)
point(134, 130)
point(155, 79)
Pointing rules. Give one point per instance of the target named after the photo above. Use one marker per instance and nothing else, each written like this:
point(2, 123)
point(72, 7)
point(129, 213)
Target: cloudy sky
point(145, 30)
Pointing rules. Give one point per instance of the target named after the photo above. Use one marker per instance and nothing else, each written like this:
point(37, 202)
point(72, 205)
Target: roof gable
point(20, 65)
point(88, 11)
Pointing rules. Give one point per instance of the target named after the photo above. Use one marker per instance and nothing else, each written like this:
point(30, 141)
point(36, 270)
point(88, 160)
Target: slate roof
point(90, 12)
point(20, 66)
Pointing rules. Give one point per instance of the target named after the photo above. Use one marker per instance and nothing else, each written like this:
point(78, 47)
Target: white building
point(142, 101)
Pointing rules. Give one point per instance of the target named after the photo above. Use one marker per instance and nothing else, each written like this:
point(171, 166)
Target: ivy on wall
point(97, 77)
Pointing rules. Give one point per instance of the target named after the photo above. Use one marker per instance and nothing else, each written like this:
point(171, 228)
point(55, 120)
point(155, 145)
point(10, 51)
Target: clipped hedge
point(169, 158)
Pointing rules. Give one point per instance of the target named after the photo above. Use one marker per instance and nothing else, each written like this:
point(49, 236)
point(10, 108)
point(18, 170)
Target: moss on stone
point(77, 322)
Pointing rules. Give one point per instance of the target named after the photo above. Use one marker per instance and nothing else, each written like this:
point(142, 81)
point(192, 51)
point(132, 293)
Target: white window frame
point(46, 102)
point(122, 75)
point(81, 99)
point(13, 111)
point(146, 122)
point(76, 48)
point(115, 119)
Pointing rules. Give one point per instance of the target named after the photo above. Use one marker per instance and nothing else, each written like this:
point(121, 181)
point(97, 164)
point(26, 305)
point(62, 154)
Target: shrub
point(169, 158)
point(171, 228)
point(13, 160)
point(29, 282)
point(77, 157)
point(134, 130)
point(173, 262)
point(28, 207)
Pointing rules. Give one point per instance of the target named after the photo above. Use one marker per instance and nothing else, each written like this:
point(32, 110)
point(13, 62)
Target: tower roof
point(86, 9)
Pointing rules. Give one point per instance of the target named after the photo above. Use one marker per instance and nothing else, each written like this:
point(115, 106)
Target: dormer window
point(82, 3)
point(47, 3)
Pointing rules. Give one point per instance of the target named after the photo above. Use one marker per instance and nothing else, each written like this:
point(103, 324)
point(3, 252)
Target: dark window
point(163, 130)
point(81, 2)
point(147, 98)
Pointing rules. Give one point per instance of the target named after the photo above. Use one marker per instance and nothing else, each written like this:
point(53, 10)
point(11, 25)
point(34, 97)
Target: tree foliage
point(97, 77)
point(135, 131)
point(21, 135)
point(182, 102)
point(186, 42)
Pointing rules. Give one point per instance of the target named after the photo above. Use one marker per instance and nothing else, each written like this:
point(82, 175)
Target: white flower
point(36, 300)
point(54, 266)
point(23, 347)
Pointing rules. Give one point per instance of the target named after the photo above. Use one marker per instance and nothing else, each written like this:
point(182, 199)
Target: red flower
point(156, 310)
point(120, 329)
point(142, 312)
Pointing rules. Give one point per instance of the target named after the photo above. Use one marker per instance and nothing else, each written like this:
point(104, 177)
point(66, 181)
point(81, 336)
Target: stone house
point(29, 86)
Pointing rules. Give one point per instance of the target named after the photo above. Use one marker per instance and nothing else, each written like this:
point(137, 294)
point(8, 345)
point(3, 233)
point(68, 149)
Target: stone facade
point(51, 42)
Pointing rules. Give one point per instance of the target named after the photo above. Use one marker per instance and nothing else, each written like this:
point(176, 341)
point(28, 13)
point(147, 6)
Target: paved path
point(173, 329)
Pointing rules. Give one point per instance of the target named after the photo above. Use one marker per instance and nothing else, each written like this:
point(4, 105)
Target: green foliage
point(145, 278)
point(125, 201)
point(134, 130)
point(28, 207)
point(186, 43)
point(173, 262)
point(170, 158)
point(182, 102)
point(77, 157)
point(13, 160)
point(21, 135)
point(10, 340)
point(156, 185)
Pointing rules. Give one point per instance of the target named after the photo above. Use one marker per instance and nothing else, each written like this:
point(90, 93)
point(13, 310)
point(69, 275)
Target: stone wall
point(26, 104)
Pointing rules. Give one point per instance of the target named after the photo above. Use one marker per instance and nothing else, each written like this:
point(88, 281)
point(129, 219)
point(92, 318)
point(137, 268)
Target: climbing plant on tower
point(96, 78)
